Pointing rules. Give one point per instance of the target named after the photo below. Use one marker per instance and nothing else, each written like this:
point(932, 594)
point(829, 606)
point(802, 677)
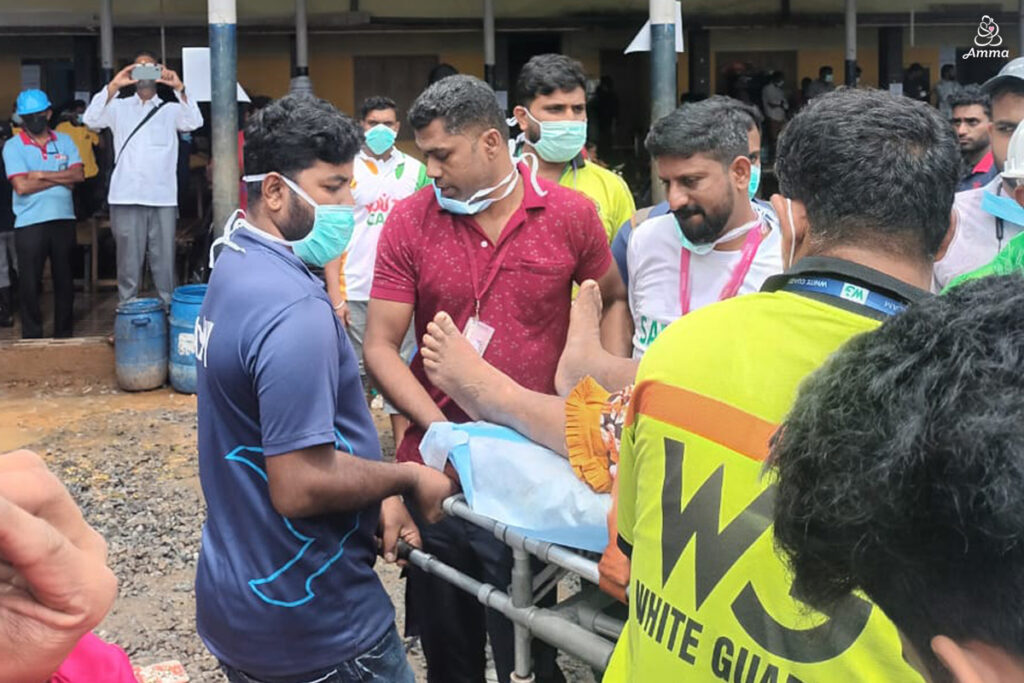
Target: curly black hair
point(291, 134)
point(901, 471)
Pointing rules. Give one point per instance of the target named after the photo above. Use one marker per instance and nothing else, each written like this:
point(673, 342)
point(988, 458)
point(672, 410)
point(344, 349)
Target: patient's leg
point(486, 393)
point(583, 354)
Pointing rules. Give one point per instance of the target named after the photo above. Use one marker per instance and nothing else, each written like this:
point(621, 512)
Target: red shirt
point(550, 242)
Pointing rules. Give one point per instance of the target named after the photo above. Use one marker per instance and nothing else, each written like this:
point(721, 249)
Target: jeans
point(383, 662)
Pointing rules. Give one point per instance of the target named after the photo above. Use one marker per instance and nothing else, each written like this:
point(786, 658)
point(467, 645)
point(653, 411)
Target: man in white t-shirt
point(714, 244)
point(980, 232)
point(382, 175)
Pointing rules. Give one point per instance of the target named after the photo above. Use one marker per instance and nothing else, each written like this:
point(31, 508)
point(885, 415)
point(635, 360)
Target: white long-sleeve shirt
point(146, 171)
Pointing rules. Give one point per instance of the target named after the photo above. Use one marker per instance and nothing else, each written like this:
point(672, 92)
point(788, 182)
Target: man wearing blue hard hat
point(43, 166)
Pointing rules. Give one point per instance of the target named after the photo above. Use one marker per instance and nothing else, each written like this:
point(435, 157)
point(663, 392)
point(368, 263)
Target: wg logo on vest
point(987, 36)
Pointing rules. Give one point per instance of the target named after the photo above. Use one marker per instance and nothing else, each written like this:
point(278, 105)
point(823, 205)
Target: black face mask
point(35, 123)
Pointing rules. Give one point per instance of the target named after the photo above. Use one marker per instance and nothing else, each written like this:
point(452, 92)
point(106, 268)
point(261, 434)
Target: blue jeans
point(385, 662)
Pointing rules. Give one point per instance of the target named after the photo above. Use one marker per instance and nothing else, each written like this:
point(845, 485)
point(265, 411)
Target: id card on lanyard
point(477, 331)
point(739, 273)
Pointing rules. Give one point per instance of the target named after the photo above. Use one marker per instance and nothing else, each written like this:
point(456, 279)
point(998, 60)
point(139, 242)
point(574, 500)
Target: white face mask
point(786, 265)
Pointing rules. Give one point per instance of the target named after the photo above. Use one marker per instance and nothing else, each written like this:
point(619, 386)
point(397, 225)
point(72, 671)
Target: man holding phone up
point(143, 194)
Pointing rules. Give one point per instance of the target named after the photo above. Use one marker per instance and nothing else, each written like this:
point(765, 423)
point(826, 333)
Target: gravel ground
point(129, 461)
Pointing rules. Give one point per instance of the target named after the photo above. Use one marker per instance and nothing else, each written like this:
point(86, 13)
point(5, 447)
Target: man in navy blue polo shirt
point(288, 451)
point(43, 166)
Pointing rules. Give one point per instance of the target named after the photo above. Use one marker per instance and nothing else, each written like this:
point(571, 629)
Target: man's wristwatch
point(340, 304)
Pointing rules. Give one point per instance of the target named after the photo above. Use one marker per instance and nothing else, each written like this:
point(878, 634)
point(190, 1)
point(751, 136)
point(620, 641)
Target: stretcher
point(577, 625)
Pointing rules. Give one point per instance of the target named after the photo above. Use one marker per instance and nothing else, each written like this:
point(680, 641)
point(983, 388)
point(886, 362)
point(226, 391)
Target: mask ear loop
point(533, 163)
point(230, 227)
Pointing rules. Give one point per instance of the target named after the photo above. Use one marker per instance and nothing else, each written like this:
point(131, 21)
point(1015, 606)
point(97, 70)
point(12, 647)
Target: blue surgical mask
point(1006, 208)
point(380, 138)
point(332, 229)
point(479, 201)
point(559, 141)
point(755, 180)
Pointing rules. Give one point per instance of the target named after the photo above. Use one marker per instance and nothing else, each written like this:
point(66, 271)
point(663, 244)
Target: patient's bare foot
point(583, 343)
point(454, 367)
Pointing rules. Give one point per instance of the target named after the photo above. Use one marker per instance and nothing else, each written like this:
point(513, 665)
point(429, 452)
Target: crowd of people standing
point(714, 362)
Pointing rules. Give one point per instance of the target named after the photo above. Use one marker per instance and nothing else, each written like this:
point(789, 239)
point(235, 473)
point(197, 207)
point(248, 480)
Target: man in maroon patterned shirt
point(498, 249)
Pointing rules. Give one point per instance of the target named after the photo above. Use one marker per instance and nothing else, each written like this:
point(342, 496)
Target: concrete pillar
point(224, 109)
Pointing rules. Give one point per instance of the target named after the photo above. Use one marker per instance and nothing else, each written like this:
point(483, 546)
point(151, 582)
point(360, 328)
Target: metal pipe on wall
point(489, 56)
point(163, 36)
point(107, 40)
point(663, 71)
point(301, 82)
point(851, 42)
point(224, 109)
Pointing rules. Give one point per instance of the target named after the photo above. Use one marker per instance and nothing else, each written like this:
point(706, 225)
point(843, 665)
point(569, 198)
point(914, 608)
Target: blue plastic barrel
point(140, 344)
point(185, 303)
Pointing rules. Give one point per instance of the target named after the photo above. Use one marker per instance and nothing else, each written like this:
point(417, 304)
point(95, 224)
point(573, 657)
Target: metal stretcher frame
point(576, 626)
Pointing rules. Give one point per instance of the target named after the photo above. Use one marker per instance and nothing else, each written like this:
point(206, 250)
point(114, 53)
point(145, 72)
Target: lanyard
point(754, 238)
point(847, 291)
point(480, 289)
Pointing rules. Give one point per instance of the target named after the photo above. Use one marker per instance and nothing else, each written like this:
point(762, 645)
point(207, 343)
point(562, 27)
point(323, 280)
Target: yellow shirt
point(709, 597)
point(85, 140)
point(608, 191)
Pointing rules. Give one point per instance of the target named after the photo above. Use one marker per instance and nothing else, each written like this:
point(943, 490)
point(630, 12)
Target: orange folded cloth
point(588, 454)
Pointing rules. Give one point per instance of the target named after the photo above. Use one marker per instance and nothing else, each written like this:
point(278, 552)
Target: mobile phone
point(147, 72)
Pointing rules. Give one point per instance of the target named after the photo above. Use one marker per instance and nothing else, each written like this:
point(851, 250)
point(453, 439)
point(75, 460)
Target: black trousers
point(453, 626)
point(35, 243)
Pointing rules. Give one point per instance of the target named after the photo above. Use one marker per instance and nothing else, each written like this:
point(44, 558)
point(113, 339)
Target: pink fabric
point(94, 660)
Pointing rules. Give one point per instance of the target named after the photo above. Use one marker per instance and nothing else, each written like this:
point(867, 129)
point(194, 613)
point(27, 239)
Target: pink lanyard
point(739, 273)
